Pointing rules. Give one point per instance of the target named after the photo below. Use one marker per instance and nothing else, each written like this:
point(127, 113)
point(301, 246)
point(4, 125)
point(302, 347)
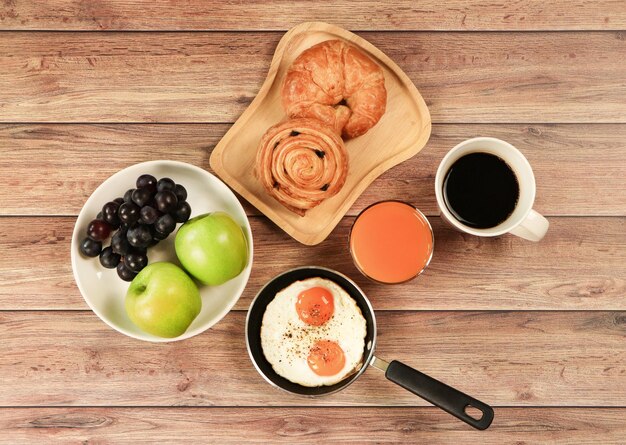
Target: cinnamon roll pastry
point(338, 84)
point(301, 162)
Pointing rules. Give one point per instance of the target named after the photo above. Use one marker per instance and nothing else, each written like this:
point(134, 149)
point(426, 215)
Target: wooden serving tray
point(401, 133)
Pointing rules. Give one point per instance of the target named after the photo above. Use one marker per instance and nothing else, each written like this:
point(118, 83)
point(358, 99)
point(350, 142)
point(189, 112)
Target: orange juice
point(391, 242)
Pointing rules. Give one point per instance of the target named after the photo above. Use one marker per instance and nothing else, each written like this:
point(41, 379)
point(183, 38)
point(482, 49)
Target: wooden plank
point(200, 77)
point(556, 426)
point(579, 265)
point(503, 358)
point(574, 164)
point(457, 15)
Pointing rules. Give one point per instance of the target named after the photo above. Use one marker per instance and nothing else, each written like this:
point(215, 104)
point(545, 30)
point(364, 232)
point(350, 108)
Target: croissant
point(301, 162)
point(337, 84)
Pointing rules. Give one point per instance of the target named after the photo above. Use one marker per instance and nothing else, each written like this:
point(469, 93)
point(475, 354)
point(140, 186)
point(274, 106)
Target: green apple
point(163, 300)
point(212, 247)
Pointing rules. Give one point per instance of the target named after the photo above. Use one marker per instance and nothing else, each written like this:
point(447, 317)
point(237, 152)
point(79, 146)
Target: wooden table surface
point(538, 330)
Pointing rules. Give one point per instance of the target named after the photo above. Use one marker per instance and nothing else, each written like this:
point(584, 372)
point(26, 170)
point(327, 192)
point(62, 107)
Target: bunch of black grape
point(143, 217)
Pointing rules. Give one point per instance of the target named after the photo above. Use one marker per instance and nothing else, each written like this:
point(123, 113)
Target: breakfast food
point(213, 248)
point(301, 162)
point(313, 333)
point(163, 300)
point(331, 90)
point(391, 242)
point(337, 84)
point(143, 217)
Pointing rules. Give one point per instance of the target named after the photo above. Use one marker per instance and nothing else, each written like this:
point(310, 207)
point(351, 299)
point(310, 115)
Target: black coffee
point(480, 190)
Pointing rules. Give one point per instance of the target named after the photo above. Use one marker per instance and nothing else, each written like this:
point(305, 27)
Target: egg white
point(286, 340)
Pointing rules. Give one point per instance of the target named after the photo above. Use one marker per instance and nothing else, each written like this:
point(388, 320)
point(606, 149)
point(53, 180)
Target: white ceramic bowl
point(104, 291)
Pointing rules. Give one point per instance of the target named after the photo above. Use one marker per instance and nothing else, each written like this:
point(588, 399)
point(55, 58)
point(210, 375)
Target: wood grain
point(514, 426)
point(579, 265)
point(200, 77)
point(575, 164)
point(503, 358)
point(457, 15)
point(556, 377)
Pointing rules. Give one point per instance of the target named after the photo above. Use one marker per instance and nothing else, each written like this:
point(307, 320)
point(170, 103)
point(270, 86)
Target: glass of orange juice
point(391, 242)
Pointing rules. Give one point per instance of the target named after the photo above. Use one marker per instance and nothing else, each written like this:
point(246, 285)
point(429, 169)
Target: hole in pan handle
point(439, 394)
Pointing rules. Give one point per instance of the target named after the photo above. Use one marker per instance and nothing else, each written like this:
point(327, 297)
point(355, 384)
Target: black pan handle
point(439, 394)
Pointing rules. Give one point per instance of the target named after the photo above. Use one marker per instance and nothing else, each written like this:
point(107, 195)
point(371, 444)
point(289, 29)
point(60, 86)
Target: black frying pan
point(445, 397)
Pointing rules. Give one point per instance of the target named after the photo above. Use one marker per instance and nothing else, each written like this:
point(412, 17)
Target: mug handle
point(533, 228)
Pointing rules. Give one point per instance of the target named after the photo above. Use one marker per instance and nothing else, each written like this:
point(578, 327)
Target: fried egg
point(313, 333)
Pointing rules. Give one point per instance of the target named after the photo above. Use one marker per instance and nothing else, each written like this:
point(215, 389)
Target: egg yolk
point(315, 306)
point(326, 358)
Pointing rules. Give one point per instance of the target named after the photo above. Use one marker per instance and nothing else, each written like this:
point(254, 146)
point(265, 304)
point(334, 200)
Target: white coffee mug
point(523, 221)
